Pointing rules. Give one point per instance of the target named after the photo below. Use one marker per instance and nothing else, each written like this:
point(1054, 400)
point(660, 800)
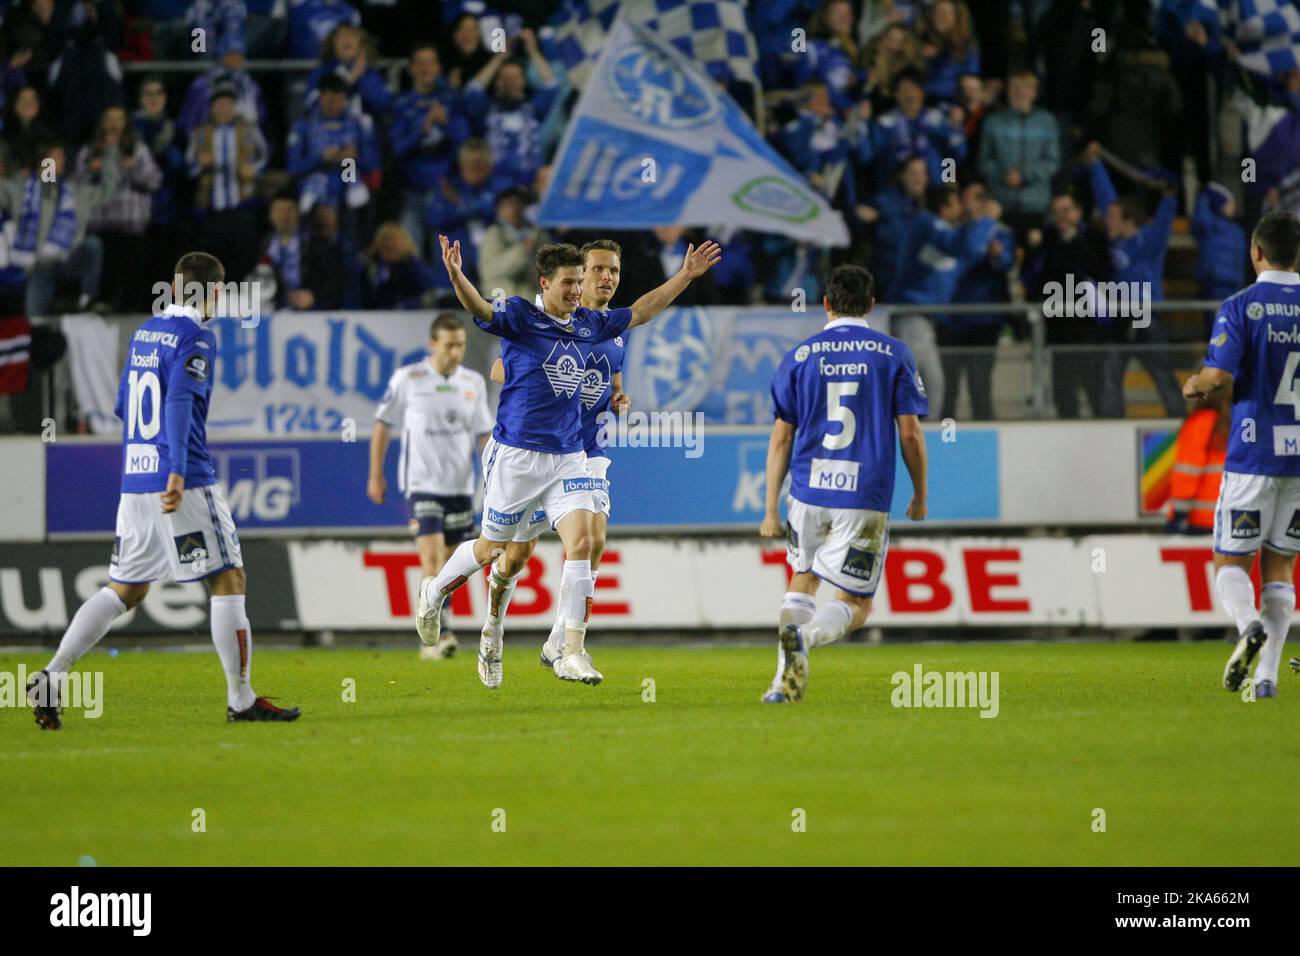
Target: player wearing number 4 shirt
point(838, 396)
point(535, 461)
point(1255, 352)
point(173, 523)
point(440, 408)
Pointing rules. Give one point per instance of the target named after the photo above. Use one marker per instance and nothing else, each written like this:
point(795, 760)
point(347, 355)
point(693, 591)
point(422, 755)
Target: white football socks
point(87, 628)
point(501, 588)
point(1277, 605)
point(829, 624)
point(232, 635)
point(796, 608)
point(458, 569)
point(577, 587)
point(556, 637)
point(1237, 595)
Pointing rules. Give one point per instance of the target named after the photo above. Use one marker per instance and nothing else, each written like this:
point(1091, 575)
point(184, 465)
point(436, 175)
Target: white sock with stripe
point(232, 635)
point(501, 588)
point(1277, 605)
point(87, 628)
point(458, 569)
point(576, 589)
point(1237, 595)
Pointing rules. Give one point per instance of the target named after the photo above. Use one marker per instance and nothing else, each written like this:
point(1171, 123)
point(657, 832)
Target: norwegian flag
point(15, 354)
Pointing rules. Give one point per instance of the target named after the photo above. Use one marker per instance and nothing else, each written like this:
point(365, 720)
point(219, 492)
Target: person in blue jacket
point(1220, 244)
point(983, 280)
point(940, 247)
point(893, 210)
point(428, 127)
point(1137, 252)
point(913, 128)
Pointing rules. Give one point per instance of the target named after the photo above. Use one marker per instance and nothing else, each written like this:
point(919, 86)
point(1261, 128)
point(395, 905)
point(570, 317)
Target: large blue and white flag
point(654, 142)
point(1265, 32)
point(713, 33)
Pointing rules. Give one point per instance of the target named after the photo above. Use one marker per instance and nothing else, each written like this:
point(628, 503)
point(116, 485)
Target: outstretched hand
point(701, 260)
point(450, 256)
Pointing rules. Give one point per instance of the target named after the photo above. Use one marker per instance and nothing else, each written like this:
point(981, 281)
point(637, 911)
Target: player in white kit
point(440, 409)
point(173, 523)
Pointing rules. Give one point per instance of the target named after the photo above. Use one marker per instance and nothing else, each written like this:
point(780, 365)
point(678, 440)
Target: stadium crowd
point(999, 134)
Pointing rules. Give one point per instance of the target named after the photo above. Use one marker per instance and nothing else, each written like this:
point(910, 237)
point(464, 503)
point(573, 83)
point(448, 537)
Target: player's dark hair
point(939, 195)
point(419, 45)
point(557, 256)
point(850, 290)
point(448, 321)
point(1278, 237)
point(607, 245)
point(199, 267)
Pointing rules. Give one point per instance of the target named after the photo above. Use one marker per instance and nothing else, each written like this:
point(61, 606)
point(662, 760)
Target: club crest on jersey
point(1245, 524)
point(196, 367)
point(564, 368)
point(190, 547)
point(1255, 311)
point(595, 379)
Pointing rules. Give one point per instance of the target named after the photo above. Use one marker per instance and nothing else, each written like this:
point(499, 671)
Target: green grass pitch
point(419, 768)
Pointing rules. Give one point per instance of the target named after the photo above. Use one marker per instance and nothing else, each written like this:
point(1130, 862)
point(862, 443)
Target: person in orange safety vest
point(1198, 467)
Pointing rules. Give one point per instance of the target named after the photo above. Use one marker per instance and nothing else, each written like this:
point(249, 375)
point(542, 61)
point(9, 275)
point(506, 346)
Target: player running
point(172, 519)
point(1255, 352)
point(838, 396)
point(535, 459)
point(441, 408)
point(602, 261)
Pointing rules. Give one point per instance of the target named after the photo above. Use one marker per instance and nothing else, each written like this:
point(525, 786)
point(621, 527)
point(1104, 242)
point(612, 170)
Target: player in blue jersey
point(535, 460)
point(1255, 352)
point(172, 519)
point(838, 397)
point(602, 391)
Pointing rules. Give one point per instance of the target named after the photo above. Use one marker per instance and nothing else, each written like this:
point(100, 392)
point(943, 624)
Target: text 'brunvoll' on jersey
point(1256, 338)
point(841, 389)
point(540, 407)
point(162, 400)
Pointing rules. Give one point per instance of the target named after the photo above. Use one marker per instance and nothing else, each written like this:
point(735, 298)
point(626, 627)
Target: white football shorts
point(195, 541)
point(844, 546)
point(1256, 510)
point(525, 491)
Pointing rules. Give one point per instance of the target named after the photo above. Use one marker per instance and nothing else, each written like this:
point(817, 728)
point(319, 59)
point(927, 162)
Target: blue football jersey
point(1256, 337)
point(598, 389)
point(550, 369)
point(841, 390)
point(163, 402)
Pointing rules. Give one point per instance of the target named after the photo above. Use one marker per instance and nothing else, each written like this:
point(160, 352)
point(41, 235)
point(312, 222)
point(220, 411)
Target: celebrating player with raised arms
point(173, 522)
point(838, 396)
point(602, 390)
point(535, 460)
point(442, 411)
point(1255, 354)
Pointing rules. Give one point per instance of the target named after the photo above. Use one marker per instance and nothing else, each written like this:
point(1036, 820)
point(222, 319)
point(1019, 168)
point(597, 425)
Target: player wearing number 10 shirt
point(173, 523)
point(1255, 351)
point(838, 396)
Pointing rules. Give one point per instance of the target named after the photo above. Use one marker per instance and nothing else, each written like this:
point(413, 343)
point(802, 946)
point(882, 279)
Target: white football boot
point(578, 667)
point(553, 649)
point(490, 669)
point(428, 615)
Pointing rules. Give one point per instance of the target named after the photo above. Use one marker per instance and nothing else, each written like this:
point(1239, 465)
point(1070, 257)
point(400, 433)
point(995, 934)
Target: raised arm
point(474, 303)
point(694, 264)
